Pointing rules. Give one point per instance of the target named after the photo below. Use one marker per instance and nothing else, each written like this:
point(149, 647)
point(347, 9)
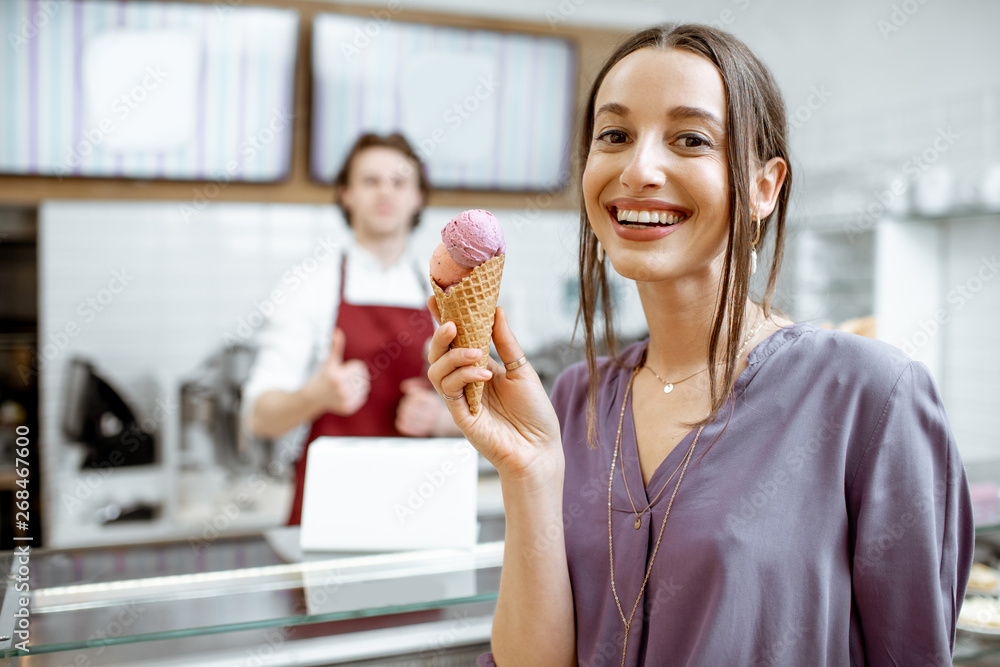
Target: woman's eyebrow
point(612, 108)
point(684, 113)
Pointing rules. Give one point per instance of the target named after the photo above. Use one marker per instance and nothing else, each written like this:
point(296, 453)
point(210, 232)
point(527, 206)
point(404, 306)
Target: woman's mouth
point(637, 218)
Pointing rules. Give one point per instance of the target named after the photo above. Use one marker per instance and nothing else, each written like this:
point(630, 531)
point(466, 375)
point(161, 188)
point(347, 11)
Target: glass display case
point(980, 646)
point(247, 601)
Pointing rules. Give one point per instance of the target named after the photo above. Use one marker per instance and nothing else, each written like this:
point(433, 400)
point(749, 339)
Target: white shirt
point(296, 339)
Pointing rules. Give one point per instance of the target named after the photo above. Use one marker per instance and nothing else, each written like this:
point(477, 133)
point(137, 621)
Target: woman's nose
point(645, 169)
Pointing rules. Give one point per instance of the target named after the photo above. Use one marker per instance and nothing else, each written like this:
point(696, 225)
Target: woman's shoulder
point(571, 384)
point(830, 355)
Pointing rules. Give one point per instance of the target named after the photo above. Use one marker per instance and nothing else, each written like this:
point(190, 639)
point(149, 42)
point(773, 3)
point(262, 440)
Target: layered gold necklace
point(611, 548)
point(682, 466)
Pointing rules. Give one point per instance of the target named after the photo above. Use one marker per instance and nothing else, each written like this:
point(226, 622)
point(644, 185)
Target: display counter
point(248, 601)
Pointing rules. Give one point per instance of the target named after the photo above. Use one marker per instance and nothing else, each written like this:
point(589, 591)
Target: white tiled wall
point(938, 296)
point(185, 284)
point(971, 383)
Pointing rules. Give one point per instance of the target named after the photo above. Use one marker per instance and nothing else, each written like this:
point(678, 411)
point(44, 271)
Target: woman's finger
point(451, 361)
point(441, 341)
point(453, 384)
point(507, 346)
point(432, 305)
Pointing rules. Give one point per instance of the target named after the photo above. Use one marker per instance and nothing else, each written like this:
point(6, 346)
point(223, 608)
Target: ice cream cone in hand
point(465, 274)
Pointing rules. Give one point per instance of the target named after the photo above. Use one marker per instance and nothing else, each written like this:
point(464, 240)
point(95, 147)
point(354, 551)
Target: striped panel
point(80, 99)
point(485, 110)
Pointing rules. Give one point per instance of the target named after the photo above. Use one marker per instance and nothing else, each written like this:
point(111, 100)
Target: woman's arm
point(534, 621)
point(911, 530)
point(518, 432)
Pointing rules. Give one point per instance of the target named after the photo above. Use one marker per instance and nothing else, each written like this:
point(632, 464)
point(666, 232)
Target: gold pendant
point(638, 522)
point(667, 388)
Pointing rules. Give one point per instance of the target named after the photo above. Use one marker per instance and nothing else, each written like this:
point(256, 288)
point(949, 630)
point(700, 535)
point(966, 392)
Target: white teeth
point(653, 217)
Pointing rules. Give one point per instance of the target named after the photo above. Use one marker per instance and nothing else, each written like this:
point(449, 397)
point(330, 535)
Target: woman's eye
point(612, 136)
point(694, 141)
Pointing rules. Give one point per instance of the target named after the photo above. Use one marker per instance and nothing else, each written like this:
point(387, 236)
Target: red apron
point(390, 340)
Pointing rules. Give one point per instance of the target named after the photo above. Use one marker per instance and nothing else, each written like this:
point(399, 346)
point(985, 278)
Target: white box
point(389, 494)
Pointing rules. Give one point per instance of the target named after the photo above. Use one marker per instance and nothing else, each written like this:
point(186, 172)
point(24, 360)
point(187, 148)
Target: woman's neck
point(680, 314)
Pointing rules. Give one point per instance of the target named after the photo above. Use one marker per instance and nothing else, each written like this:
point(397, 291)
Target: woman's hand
point(516, 428)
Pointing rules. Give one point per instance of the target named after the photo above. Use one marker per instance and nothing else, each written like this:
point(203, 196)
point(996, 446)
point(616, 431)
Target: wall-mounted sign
point(150, 90)
point(485, 110)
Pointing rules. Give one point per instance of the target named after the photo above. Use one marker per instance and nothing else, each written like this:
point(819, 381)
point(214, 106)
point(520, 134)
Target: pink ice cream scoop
point(472, 237)
point(444, 270)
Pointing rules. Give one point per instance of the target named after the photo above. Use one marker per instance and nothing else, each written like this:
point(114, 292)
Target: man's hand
point(419, 409)
point(339, 386)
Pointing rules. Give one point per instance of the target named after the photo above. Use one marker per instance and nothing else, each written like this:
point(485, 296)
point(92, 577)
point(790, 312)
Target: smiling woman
point(826, 518)
point(678, 125)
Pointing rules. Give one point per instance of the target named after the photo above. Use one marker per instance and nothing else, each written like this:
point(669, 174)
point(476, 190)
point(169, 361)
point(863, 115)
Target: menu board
point(150, 90)
point(485, 110)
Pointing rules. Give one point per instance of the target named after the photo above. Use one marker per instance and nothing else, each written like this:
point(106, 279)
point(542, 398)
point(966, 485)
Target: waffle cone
point(471, 305)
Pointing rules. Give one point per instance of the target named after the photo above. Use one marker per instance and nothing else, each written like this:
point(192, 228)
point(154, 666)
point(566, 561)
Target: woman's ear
point(767, 185)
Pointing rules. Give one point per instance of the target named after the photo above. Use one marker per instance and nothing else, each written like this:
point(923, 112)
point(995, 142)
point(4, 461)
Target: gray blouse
point(829, 523)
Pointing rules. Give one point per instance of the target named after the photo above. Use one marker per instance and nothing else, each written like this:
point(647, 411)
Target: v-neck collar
point(629, 454)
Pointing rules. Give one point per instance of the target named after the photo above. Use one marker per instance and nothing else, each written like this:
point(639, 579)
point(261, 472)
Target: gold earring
point(753, 247)
point(600, 253)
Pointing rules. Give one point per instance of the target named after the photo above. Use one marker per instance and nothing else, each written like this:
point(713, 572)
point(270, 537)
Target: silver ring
point(514, 365)
point(452, 398)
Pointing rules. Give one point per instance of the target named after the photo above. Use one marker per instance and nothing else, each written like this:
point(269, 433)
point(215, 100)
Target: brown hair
point(756, 130)
point(394, 141)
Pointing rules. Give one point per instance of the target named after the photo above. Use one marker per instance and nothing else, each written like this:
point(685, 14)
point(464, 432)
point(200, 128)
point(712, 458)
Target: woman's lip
point(648, 233)
point(647, 205)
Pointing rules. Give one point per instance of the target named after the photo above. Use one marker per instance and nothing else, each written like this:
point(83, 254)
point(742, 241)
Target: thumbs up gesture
point(344, 385)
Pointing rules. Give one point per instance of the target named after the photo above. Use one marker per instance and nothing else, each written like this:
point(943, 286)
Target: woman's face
point(656, 179)
point(382, 192)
